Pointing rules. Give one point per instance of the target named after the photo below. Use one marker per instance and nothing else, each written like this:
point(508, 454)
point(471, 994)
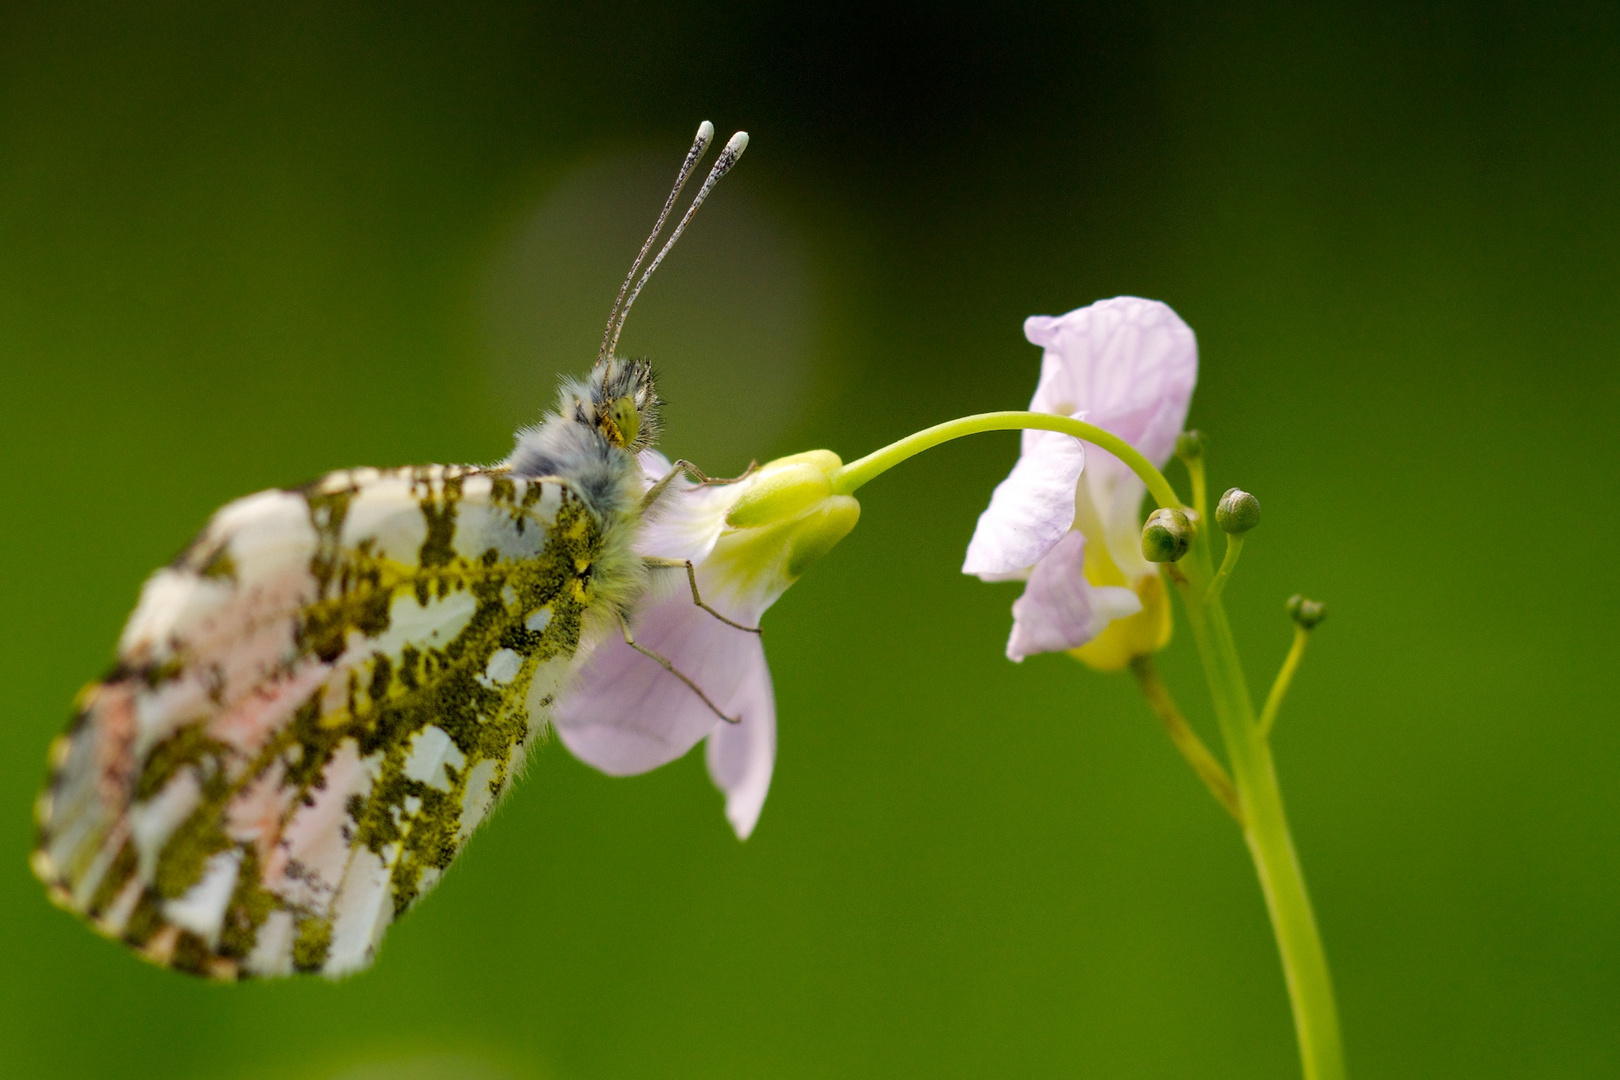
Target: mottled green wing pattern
point(312, 710)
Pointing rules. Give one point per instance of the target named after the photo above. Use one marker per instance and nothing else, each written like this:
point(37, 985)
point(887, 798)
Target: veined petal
point(742, 756)
point(687, 520)
point(747, 542)
point(1130, 364)
point(1117, 495)
point(1060, 609)
point(625, 714)
point(1030, 511)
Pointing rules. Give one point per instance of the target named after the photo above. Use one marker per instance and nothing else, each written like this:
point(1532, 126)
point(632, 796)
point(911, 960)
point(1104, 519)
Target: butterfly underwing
point(320, 699)
point(313, 708)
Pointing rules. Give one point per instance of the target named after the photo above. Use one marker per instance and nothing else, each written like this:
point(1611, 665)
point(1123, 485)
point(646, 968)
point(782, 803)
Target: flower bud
point(1167, 535)
point(1307, 613)
point(783, 489)
point(783, 518)
point(1237, 512)
point(1190, 445)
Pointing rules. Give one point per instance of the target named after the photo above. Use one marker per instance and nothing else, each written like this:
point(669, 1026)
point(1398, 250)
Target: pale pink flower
point(625, 714)
point(1067, 522)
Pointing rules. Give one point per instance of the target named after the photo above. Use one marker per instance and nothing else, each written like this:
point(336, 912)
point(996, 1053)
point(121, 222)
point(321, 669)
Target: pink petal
point(654, 465)
point(1130, 364)
point(687, 519)
point(742, 756)
point(625, 714)
point(1060, 609)
point(1030, 511)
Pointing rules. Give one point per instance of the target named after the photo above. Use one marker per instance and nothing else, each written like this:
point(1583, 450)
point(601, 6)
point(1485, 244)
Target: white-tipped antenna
point(700, 146)
point(728, 157)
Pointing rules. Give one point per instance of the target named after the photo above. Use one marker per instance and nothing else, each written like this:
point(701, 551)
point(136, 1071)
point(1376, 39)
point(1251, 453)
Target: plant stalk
point(1279, 689)
point(848, 479)
point(1265, 830)
point(1186, 740)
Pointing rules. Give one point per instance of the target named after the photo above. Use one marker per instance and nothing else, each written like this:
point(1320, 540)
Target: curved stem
point(1234, 548)
point(1304, 961)
point(847, 479)
point(1274, 700)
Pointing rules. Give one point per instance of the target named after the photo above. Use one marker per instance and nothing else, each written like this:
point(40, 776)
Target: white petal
point(742, 756)
point(1129, 363)
point(1060, 609)
point(686, 521)
point(1030, 511)
point(1117, 494)
point(625, 714)
point(654, 465)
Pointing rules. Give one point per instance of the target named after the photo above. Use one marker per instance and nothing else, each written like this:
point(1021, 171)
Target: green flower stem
point(1279, 688)
point(1260, 807)
point(1310, 990)
point(1195, 472)
point(1234, 548)
point(1186, 740)
point(847, 479)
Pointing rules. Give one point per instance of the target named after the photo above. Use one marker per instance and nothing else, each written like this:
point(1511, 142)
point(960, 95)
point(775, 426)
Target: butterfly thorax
point(591, 440)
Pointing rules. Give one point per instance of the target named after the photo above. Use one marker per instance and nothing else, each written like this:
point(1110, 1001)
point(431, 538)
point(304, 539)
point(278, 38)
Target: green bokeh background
point(241, 247)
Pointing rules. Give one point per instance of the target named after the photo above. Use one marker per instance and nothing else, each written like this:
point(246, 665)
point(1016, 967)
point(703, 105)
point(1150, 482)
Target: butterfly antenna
point(700, 146)
point(728, 157)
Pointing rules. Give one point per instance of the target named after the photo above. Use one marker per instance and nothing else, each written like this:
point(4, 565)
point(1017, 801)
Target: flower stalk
point(1068, 525)
point(1190, 450)
point(1279, 688)
point(1250, 793)
point(1234, 548)
point(1186, 740)
point(1265, 824)
point(851, 477)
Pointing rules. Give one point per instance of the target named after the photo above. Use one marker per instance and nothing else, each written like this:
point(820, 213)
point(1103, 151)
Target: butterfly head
point(622, 403)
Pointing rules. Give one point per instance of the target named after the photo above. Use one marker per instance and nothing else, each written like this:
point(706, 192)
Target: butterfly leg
point(697, 597)
point(684, 466)
point(663, 661)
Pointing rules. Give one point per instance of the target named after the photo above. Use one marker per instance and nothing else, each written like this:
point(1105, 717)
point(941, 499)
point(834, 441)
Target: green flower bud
point(1167, 535)
point(783, 489)
point(784, 518)
point(1190, 445)
point(1307, 613)
point(1237, 512)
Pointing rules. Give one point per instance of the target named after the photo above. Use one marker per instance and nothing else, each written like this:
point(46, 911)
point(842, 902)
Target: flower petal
point(1116, 494)
point(742, 756)
point(1060, 610)
point(625, 714)
point(687, 519)
point(1130, 364)
point(1030, 511)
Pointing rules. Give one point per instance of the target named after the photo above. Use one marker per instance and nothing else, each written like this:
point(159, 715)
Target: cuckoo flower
point(1068, 524)
point(747, 541)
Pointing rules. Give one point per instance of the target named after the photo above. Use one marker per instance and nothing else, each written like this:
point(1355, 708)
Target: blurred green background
point(242, 246)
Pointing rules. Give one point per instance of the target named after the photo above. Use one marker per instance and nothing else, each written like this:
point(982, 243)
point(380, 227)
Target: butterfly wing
point(312, 709)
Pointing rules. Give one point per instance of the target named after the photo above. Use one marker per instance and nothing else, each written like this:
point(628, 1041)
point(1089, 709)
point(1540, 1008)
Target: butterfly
point(321, 698)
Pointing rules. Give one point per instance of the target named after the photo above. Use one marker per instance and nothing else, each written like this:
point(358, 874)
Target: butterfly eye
point(627, 418)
